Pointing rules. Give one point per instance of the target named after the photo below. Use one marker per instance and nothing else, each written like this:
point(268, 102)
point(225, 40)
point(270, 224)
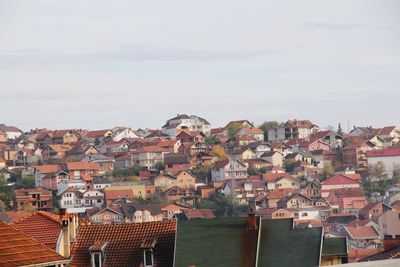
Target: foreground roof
point(283, 245)
point(124, 243)
point(17, 249)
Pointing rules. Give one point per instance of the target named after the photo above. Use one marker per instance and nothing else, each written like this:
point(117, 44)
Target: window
point(96, 260)
point(148, 257)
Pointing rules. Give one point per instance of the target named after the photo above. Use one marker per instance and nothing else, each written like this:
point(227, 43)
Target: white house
point(390, 157)
point(229, 169)
point(183, 121)
point(10, 131)
point(123, 132)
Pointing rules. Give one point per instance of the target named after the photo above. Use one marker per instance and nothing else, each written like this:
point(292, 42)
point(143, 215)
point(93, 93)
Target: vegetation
point(132, 171)
point(28, 182)
point(327, 171)
point(202, 172)
point(220, 152)
point(159, 166)
point(223, 206)
point(377, 172)
point(209, 140)
point(6, 194)
point(233, 130)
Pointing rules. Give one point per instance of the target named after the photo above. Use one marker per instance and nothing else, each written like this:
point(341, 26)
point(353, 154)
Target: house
point(311, 189)
point(347, 199)
point(185, 179)
point(148, 156)
point(228, 169)
point(104, 163)
point(182, 122)
point(10, 132)
point(295, 201)
point(105, 215)
point(259, 147)
point(100, 136)
point(115, 195)
point(80, 150)
point(306, 214)
point(74, 183)
point(257, 133)
point(52, 179)
point(71, 198)
point(195, 214)
point(330, 137)
point(55, 152)
point(355, 153)
point(36, 198)
point(277, 194)
point(274, 213)
point(275, 157)
point(373, 210)
point(361, 236)
point(164, 181)
point(64, 137)
point(288, 182)
point(183, 195)
point(101, 182)
point(93, 198)
point(336, 182)
point(388, 131)
point(130, 244)
point(389, 223)
point(186, 136)
point(292, 129)
point(18, 249)
point(390, 157)
point(137, 189)
point(313, 144)
point(176, 162)
point(243, 153)
point(81, 169)
point(122, 132)
point(237, 125)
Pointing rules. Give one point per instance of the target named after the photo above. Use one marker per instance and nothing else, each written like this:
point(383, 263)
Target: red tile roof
point(48, 168)
point(17, 249)
point(82, 166)
point(362, 232)
point(389, 152)
point(124, 243)
point(42, 226)
point(117, 194)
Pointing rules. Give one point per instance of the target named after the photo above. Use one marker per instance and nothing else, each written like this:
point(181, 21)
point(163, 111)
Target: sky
point(98, 64)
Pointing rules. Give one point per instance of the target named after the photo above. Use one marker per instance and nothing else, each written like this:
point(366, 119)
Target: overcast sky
point(97, 64)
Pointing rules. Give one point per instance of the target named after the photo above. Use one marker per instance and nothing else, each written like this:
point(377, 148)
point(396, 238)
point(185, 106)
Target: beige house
point(275, 157)
point(389, 223)
point(150, 155)
point(185, 179)
point(164, 181)
point(288, 182)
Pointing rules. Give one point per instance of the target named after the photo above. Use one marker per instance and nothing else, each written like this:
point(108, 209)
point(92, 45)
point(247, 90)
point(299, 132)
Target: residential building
point(36, 198)
point(182, 121)
point(390, 157)
point(292, 129)
point(229, 169)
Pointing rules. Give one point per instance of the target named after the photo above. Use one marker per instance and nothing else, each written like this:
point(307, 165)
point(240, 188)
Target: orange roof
point(48, 168)
point(117, 194)
point(82, 166)
point(42, 226)
point(280, 193)
point(124, 243)
point(15, 216)
point(272, 177)
point(151, 149)
point(60, 147)
point(362, 232)
point(18, 249)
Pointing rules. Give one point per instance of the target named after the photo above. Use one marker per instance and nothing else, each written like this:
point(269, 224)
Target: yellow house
point(138, 190)
point(185, 180)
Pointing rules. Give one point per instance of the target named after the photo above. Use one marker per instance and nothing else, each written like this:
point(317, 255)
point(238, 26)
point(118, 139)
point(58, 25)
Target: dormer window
point(148, 245)
point(97, 253)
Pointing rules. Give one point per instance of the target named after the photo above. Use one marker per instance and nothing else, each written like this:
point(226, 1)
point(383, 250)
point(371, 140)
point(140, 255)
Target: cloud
point(127, 53)
point(331, 26)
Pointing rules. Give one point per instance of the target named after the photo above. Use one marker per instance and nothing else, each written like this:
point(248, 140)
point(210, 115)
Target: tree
point(28, 181)
point(396, 173)
point(268, 125)
point(327, 171)
point(2, 206)
point(159, 166)
point(97, 141)
point(339, 131)
point(202, 172)
point(209, 140)
point(3, 181)
point(377, 171)
point(220, 152)
point(233, 130)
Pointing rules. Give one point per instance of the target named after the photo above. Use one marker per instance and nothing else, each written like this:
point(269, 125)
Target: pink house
point(347, 199)
point(312, 145)
point(337, 182)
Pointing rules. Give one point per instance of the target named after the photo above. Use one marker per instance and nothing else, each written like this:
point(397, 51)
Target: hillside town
point(190, 193)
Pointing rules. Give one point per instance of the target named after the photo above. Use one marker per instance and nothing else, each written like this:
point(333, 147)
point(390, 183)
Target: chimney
point(251, 224)
point(64, 248)
point(390, 242)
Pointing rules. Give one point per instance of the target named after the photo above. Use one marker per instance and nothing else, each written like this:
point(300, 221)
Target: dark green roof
point(281, 245)
point(334, 246)
point(215, 242)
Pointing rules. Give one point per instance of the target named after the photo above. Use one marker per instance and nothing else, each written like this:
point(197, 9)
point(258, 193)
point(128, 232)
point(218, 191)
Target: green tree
point(159, 166)
point(202, 172)
point(209, 140)
point(396, 173)
point(233, 130)
point(28, 181)
point(97, 141)
point(327, 171)
point(2, 206)
point(339, 131)
point(3, 181)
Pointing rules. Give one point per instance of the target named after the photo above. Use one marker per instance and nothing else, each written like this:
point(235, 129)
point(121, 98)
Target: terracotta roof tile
point(42, 226)
point(124, 243)
point(18, 249)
